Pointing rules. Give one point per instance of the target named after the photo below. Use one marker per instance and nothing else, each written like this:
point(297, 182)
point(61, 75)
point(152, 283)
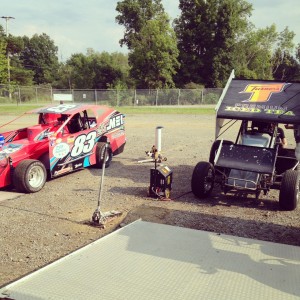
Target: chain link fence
point(21, 95)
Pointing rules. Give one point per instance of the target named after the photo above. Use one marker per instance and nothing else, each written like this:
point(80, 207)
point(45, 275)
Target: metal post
point(134, 100)
point(8, 60)
point(19, 96)
point(96, 96)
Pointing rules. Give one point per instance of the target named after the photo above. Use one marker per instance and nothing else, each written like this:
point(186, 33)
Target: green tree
point(96, 70)
point(151, 42)
point(153, 58)
point(252, 55)
point(80, 71)
point(285, 65)
point(207, 33)
point(3, 62)
point(40, 56)
point(134, 14)
point(266, 54)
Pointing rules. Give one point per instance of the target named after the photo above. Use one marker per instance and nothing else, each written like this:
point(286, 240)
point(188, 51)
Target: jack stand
point(99, 218)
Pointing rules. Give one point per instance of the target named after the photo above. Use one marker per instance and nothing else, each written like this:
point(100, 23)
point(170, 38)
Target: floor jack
point(100, 218)
point(160, 181)
point(161, 176)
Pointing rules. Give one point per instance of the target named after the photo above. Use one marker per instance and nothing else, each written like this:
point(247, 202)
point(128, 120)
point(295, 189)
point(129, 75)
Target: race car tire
point(289, 190)
point(214, 149)
point(203, 179)
point(29, 176)
point(100, 155)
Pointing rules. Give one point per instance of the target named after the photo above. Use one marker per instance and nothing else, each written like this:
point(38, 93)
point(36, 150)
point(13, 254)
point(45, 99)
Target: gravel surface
point(39, 228)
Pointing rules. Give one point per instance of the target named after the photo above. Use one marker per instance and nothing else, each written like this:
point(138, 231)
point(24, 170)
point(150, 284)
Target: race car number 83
point(84, 144)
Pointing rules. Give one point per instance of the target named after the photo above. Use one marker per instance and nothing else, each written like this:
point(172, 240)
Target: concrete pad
point(154, 261)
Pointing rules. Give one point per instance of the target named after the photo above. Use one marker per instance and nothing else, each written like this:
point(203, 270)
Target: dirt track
point(39, 228)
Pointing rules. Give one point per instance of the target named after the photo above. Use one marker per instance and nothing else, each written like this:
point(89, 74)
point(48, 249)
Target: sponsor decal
point(101, 129)
point(70, 139)
point(262, 92)
point(118, 134)
point(84, 143)
point(9, 149)
point(77, 166)
point(61, 150)
point(115, 122)
point(62, 171)
point(270, 110)
point(61, 108)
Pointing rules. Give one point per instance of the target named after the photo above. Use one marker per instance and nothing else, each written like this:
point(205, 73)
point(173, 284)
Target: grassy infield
point(16, 110)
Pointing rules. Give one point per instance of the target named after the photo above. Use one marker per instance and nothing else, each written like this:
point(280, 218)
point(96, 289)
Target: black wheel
point(289, 190)
point(29, 176)
point(203, 179)
point(100, 155)
point(214, 149)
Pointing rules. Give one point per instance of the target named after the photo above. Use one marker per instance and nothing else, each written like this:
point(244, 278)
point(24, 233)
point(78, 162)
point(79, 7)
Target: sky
point(75, 26)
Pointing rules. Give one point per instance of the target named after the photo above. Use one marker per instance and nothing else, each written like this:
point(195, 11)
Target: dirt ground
point(36, 229)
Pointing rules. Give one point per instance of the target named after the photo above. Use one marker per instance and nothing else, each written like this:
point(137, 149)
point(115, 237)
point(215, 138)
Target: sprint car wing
point(261, 100)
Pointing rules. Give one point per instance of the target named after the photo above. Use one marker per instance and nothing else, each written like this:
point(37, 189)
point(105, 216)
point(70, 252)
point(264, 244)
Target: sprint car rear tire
point(29, 176)
point(214, 149)
point(203, 179)
point(100, 155)
point(289, 190)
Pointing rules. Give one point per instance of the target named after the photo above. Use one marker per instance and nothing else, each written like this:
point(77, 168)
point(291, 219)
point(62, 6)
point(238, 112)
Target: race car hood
point(261, 100)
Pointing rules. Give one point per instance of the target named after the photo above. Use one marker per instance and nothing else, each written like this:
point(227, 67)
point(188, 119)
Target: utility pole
point(7, 18)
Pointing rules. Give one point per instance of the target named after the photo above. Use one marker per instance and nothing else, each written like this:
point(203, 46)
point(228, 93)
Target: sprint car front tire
point(100, 155)
point(29, 176)
point(289, 190)
point(203, 179)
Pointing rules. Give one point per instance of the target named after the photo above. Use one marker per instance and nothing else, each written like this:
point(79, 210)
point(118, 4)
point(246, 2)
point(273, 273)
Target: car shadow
point(139, 175)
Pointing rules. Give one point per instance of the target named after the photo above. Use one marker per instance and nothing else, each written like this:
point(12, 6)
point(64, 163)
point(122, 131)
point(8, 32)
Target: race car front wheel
point(203, 179)
point(100, 151)
point(29, 176)
point(289, 190)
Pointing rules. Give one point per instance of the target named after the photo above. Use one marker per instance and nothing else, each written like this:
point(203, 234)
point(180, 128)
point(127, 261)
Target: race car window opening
point(228, 127)
point(75, 124)
point(90, 118)
point(258, 130)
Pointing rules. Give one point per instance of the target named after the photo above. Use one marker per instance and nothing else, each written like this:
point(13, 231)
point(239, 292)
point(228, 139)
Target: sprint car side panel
point(247, 158)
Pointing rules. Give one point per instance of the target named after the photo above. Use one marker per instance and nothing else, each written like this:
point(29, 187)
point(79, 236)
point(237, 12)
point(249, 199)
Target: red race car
point(67, 137)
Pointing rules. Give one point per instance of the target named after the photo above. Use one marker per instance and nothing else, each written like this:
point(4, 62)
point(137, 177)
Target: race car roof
point(270, 101)
point(69, 109)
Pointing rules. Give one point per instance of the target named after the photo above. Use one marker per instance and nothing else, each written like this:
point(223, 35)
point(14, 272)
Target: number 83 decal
point(84, 144)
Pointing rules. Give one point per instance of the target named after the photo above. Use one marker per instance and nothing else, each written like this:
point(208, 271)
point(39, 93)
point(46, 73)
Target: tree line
point(200, 48)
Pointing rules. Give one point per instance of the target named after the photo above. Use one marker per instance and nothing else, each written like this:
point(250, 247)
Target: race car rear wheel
point(29, 176)
point(100, 155)
point(203, 179)
point(289, 190)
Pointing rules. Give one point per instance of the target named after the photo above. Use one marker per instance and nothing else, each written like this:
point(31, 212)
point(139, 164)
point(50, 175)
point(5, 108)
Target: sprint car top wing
point(269, 101)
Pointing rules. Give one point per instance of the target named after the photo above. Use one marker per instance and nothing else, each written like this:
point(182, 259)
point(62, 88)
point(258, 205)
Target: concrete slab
point(154, 261)
point(4, 195)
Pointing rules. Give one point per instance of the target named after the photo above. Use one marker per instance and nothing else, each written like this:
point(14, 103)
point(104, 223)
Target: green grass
point(167, 110)
point(197, 110)
point(15, 109)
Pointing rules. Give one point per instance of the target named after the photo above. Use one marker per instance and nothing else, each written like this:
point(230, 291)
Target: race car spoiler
point(258, 100)
point(260, 160)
